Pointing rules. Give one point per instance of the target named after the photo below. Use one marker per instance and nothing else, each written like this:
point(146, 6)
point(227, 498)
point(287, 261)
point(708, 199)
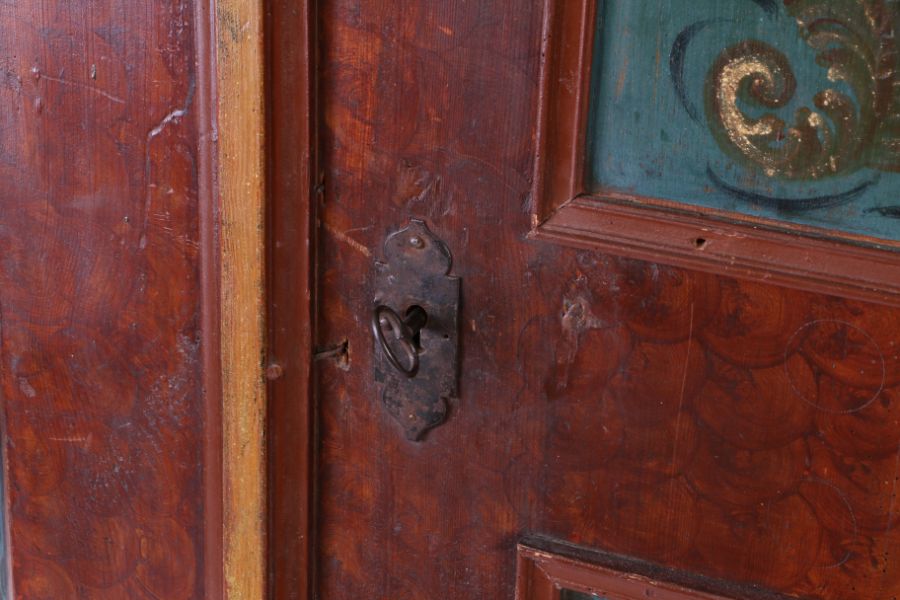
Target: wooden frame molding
point(240, 62)
point(546, 568)
point(567, 50)
point(268, 186)
point(294, 177)
point(565, 211)
point(544, 576)
point(210, 277)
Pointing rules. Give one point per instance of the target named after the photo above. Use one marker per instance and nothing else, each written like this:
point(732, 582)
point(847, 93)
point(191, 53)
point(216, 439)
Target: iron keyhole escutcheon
point(415, 327)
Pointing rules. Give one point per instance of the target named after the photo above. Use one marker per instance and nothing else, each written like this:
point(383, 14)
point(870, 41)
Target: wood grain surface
point(723, 427)
point(105, 158)
point(242, 189)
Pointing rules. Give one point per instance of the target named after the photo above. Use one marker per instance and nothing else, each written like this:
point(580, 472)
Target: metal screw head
point(416, 242)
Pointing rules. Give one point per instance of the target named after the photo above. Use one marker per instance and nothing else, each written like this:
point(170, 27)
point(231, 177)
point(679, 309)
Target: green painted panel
point(569, 595)
point(787, 110)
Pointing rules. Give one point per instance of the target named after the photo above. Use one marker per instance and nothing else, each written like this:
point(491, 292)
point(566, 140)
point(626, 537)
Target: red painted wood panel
point(722, 427)
point(100, 293)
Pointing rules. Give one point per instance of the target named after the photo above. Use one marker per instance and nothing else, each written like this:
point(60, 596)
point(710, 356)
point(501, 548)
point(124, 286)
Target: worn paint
point(779, 110)
point(100, 291)
point(716, 426)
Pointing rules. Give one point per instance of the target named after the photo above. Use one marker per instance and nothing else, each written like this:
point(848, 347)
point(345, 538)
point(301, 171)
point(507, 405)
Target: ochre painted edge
point(240, 65)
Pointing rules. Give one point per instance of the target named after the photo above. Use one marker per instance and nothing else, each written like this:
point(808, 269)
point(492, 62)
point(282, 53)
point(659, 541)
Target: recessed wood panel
point(643, 164)
point(555, 571)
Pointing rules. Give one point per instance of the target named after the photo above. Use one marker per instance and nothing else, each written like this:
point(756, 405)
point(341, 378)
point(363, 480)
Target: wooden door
point(662, 392)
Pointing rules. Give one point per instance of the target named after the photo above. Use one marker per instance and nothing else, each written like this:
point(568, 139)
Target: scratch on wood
point(174, 116)
point(687, 362)
point(83, 440)
point(343, 237)
point(623, 76)
point(680, 413)
point(169, 118)
point(890, 517)
point(83, 86)
point(26, 388)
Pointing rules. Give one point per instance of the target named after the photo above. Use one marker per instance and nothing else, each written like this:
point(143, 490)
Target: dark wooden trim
point(210, 272)
point(294, 177)
point(566, 212)
point(668, 236)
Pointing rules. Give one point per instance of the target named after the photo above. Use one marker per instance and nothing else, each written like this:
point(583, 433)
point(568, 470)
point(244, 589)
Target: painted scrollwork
point(845, 132)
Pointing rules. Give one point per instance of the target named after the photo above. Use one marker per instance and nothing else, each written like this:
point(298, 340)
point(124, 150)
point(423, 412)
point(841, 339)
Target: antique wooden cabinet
point(674, 228)
point(447, 299)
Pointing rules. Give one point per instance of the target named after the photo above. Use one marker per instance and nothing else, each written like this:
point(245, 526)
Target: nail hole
point(700, 243)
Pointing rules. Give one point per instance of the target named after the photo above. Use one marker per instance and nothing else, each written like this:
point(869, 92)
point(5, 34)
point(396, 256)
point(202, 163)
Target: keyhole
point(416, 318)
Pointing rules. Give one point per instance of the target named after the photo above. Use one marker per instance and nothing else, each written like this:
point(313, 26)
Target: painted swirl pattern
point(854, 124)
